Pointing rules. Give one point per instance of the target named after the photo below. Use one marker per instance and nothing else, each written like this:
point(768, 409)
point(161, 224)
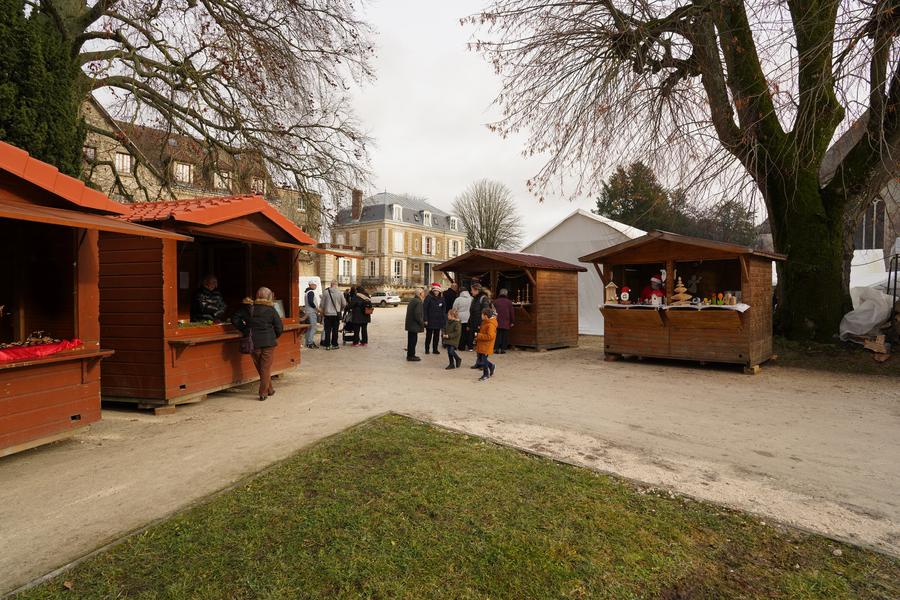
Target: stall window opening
point(239, 268)
point(37, 293)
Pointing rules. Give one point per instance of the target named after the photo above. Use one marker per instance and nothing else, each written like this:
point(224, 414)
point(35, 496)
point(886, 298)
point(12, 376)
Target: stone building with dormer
point(137, 163)
point(399, 240)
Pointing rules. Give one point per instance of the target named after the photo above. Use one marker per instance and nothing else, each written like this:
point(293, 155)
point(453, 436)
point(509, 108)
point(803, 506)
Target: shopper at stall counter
point(415, 324)
point(208, 303)
point(261, 322)
point(506, 319)
point(654, 288)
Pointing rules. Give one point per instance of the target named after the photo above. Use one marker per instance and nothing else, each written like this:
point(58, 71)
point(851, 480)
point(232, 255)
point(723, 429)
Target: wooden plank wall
point(131, 315)
point(557, 305)
point(44, 400)
point(214, 365)
point(760, 300)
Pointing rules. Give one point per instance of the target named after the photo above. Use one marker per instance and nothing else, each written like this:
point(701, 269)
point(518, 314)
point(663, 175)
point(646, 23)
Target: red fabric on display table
point(40, 351)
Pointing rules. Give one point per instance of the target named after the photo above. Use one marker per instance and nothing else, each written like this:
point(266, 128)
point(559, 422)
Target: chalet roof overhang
point(480, 260)
point(242, 218)
point(70, 218)
point(659, 246)
point(43, 184)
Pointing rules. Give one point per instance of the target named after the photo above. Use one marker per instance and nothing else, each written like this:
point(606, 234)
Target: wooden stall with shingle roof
point(543, 290)
point(146, 289)
point(683, 325)
point(50, 348)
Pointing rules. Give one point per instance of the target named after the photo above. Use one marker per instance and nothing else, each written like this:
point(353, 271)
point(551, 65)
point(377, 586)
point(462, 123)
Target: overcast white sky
point(428, 109)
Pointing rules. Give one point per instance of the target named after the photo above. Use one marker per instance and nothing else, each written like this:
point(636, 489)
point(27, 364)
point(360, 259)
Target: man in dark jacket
point(450, 296)
point(435, 318)
point(415, 323)
point(506, 314)
point(208, 303)
point(479, 303)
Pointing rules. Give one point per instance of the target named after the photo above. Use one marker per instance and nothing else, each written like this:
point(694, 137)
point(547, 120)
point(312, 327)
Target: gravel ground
point(812, 449)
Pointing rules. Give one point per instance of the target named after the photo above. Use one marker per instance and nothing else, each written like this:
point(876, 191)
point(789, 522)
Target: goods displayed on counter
point(611, 293)
point(681, 297)
point(37, 338)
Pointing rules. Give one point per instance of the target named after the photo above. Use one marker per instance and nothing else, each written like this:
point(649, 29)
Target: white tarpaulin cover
point(577, 235)
point(872, 308)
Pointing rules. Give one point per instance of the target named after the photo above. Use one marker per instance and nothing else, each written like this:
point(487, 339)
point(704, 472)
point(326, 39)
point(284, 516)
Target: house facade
point(136, 163)
point(398, 239)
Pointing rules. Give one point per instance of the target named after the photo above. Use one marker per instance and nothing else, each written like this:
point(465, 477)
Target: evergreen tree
point(635, 196)
point(39, 97)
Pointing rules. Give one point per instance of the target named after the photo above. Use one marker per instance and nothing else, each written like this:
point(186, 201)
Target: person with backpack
point(333, 305)
point(361, 310)
point(259, 321)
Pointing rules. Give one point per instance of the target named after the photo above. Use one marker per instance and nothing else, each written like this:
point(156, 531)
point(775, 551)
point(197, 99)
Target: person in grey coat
point(333, 304)
point(415, 324)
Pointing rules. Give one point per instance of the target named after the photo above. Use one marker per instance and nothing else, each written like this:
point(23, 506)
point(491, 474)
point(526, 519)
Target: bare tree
point(268, 77)
point(720, 93)
point(489, 216)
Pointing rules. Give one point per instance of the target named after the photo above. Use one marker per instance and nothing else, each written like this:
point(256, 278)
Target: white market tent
point(579, 234)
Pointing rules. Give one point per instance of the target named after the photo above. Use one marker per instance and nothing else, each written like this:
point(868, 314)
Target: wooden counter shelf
point(193, 340)
point(56, 358)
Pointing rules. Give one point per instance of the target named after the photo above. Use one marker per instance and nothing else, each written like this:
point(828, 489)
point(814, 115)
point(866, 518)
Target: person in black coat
point(259, 320)
point(208, 303)
point(360, 309)
point(450, 296)
point(435, 318)
point(480, 301)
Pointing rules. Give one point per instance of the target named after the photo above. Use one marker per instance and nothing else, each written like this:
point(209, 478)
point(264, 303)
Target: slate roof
point(212, 210)
point(45, 176)
point(377, 208)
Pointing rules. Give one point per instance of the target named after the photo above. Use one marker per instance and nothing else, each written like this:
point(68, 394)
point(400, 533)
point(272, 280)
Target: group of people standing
point(353, 308)
point(467, 320)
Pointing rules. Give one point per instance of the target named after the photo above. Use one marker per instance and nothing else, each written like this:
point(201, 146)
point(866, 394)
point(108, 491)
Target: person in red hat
point(655, 288)
point(435, 318)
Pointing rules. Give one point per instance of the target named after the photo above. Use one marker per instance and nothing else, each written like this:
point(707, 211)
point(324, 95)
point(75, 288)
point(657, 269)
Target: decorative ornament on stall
point(625, 296)
point(680, 297)
point(611, 298)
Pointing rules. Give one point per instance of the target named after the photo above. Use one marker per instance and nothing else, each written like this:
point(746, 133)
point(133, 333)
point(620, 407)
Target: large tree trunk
point(813, 296)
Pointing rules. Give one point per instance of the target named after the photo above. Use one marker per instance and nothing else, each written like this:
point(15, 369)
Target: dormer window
point(183, 172)
point(426, 218)
point(398, 212)
point(222, 181)
point(454, 224)
point(258, 185)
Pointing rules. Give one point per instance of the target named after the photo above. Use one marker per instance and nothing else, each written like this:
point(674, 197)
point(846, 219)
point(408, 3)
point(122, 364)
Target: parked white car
point(383, 298)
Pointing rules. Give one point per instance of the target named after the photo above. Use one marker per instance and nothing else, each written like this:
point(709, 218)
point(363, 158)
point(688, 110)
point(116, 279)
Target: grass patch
point(842, 357)
point(398, 509)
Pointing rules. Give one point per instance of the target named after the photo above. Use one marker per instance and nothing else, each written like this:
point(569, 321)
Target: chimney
point(356, 207)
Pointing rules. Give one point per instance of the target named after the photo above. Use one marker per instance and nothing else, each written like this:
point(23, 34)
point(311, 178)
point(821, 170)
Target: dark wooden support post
point(600, 274)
